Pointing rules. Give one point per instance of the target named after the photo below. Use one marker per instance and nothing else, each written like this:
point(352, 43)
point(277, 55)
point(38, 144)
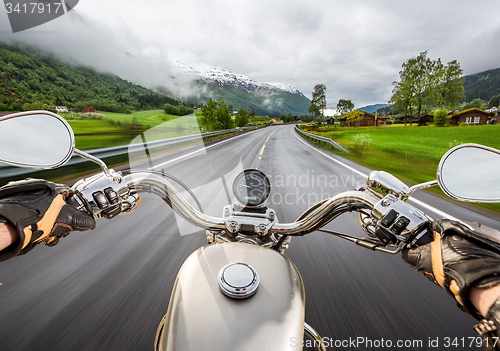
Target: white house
point(61, 109)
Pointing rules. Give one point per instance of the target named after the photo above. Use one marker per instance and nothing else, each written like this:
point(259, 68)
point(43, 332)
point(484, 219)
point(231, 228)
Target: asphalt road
point(109, 288)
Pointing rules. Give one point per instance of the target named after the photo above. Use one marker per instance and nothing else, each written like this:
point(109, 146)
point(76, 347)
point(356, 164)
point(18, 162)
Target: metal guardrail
point(9, 171)
point(320, 138)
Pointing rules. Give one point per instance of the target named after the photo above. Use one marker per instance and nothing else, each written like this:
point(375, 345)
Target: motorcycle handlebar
point(332, 208)
point(157, 184)
point(317, 218)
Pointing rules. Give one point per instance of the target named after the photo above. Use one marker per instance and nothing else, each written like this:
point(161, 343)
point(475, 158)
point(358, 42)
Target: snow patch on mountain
point(224, 77)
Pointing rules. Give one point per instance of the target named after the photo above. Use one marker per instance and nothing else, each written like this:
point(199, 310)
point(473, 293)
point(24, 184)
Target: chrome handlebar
point(389, 217)
point(329, 210)
point(154, 183)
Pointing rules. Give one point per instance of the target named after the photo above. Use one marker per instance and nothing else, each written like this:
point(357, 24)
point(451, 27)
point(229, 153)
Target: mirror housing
point(471, 172)
point(35, 139)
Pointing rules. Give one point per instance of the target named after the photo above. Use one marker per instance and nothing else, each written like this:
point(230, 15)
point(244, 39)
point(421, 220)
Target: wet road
point(109, 288)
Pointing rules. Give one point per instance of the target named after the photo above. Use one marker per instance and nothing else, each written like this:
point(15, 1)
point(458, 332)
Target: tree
point(314, 111)
point(416, 85)
point(494, 102)
point(450, 87)
point(344, 106)
point(241, 119)
point(401, 99)
point(216, 115)
point(425, 83)
point(208, 116)
point(441, 118)
point(476, 103)
point(318, 102)
point(354, 116)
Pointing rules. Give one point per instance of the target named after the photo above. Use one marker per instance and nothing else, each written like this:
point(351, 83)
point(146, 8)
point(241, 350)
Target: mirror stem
point(424, 185)
point(95, 160)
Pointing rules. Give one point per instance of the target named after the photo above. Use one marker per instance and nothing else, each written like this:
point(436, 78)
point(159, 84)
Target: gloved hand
point(39, 211)
point(462, 255)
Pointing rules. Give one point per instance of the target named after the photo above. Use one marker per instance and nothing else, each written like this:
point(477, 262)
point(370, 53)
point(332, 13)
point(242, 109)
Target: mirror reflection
point(471, 173)
point(35, 140)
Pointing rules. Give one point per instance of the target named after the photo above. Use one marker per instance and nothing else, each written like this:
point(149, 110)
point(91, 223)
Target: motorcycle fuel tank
point(201, 317)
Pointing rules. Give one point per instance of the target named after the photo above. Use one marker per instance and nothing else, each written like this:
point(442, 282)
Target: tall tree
point(417, 83)
point(344, 106)
point(216, 115)
point(450, 84)
point(318, 102)
point(401, 98)
point(426, 83)
point(241, 119)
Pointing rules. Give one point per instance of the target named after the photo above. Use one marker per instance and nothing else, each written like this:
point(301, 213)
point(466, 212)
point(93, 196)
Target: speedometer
point(251, 187)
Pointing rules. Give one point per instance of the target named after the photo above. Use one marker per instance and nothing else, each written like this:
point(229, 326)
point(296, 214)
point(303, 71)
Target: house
point(368, 120)
point(383, 120)
point(494, 109)
point(61, 109)
point(423, 120)
point(89, 109)
point(405, 118)
point(330, 121)
point(472, 116)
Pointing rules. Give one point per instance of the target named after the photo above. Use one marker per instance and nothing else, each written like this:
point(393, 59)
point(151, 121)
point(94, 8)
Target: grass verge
point(410, 153)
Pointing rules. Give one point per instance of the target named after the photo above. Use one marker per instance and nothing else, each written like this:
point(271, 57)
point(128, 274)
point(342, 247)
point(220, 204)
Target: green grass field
point(259, 119)
point(423, 142)
point(94, 133)
point(410, 153)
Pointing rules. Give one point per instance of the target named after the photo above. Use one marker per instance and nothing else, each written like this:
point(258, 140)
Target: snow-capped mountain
point(224, 77)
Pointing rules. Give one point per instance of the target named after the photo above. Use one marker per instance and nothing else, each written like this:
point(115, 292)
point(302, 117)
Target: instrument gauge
point(251, 187)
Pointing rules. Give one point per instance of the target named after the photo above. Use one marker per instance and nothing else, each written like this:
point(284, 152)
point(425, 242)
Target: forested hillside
point(264, 103)
point(31, 80)
point(483, 85)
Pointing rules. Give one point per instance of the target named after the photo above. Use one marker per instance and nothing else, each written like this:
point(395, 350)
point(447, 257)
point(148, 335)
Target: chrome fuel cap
point(238, 280)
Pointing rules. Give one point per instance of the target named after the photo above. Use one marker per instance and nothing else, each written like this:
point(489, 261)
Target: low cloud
point(355, 48)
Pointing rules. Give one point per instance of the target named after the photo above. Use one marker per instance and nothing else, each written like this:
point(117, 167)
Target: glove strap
point(489, 328)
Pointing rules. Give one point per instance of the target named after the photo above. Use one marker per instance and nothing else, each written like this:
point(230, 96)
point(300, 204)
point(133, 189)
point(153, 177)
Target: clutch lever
point(368, 243)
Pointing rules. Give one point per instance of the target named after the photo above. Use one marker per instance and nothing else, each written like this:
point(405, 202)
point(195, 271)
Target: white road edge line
point(417, 202)
point(205, 148)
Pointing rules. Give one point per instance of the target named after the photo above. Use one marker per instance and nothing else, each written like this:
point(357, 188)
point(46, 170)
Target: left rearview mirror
point(35, 139)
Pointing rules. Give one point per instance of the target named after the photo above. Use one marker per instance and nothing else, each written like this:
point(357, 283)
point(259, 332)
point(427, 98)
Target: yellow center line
point(262, 150)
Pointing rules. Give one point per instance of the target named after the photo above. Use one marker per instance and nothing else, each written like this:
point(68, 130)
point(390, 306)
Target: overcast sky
point(355, 48)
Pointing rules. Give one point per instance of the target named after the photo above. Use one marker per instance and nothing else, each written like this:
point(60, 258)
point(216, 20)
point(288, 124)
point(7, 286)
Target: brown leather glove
point(39, 211)
point(462, 255)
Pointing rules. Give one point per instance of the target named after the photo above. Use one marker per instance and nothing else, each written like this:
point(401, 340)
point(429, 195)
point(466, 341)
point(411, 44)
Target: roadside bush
point(179, 110)
point(441, 118)
point(91, 115)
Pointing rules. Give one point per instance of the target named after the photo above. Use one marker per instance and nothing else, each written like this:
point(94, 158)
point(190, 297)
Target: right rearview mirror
point(471, 172)
point(36, 139)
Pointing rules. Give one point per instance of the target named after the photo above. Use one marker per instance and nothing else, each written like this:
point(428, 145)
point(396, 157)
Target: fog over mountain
point(355, 48)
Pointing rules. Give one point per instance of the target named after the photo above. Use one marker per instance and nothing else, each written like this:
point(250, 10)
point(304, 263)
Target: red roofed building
point(89, 109)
